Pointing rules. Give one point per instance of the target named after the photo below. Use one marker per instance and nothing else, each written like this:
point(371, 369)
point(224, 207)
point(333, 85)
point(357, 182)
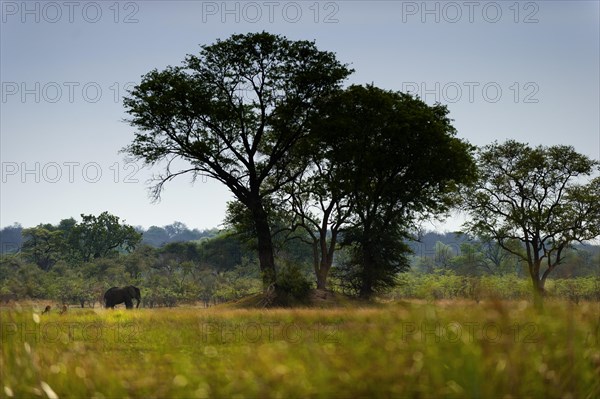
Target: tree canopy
point(97, 236)
point(396, 159)
point(535, 202)
point(233, 113)
point(375, 161)
point(75, 242)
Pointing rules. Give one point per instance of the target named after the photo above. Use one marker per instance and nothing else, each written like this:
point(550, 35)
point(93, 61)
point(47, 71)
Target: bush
point(346, 278)
point(575, 289)
point(292, 287)
point(447, 285)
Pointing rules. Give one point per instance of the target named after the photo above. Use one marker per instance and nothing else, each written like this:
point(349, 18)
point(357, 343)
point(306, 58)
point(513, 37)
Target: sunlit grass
point(415, 349)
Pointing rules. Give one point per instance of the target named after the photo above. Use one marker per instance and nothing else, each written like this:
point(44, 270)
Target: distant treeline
point(430, 251)
point(175, 232)
point(175, 265)
point(457, 253)
point(11, 237)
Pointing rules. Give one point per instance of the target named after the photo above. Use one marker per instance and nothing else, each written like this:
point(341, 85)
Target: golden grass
point(403, 349)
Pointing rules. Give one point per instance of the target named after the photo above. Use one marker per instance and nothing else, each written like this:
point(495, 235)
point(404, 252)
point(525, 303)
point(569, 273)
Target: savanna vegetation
point(331, 186)
point(221, 267)
point(452, 349)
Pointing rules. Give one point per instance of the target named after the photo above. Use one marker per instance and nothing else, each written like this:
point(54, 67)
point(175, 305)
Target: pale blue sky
point(523, 70)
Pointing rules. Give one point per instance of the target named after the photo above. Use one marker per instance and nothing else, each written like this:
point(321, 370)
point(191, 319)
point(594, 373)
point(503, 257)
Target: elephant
point(117, 295)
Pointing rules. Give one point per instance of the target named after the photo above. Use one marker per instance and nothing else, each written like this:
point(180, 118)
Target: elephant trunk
point(138, 297)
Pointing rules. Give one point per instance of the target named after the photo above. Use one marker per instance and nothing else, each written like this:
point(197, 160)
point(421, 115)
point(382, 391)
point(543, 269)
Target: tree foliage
point(97, 236)
point(233, 113)
point(11, 238)
point(74, 242)
point(43, 246)
point(535, 202)
point(397, 159)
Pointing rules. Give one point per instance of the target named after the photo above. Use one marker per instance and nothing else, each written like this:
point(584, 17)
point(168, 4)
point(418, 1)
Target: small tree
point(43, 245)
point(482, 257)
point(320, 210)
point(535, 198)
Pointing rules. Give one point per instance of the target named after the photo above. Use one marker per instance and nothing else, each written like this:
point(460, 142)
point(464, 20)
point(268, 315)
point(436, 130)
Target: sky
point(527, 70)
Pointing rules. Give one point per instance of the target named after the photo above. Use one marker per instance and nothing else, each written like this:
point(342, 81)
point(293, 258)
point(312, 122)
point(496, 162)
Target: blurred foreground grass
point(404, 349)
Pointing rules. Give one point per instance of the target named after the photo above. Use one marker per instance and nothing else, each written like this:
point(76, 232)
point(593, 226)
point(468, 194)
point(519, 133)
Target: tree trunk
point(366, 287)
point(326, 258)
point(322, 276)
point(538, 287)
point(316, 263)
point(265, 246)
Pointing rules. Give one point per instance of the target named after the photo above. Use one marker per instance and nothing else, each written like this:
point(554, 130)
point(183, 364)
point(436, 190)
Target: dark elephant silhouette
point(117, 295)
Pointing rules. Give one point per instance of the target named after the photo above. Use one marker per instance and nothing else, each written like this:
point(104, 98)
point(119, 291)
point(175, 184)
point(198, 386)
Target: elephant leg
point(128, 303)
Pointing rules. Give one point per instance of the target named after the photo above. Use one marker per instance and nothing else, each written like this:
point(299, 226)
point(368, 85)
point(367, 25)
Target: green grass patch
point(454, 348)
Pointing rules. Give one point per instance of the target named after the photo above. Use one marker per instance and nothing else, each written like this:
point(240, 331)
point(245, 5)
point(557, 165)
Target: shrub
point(292, 286)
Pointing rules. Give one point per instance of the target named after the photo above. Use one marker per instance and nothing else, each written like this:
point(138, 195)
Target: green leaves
point(236, 106)
point(393, 159)
point(42, 246)
point(234, 112)
point(96, 237)
point(537, 196)
point(394, 151)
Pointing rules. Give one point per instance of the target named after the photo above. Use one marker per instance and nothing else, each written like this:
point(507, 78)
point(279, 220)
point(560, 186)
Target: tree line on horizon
point(223, 267)
point(347, 172)
point(11, 237)
point(309, 159)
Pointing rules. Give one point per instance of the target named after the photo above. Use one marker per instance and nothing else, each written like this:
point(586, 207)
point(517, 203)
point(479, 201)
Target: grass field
point(403, 349)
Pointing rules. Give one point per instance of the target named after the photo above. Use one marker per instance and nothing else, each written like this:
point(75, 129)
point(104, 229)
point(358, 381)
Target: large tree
point(396, 159)
point(233, 113)
point(94, 237)
point(98, 236)
point(535, 202)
